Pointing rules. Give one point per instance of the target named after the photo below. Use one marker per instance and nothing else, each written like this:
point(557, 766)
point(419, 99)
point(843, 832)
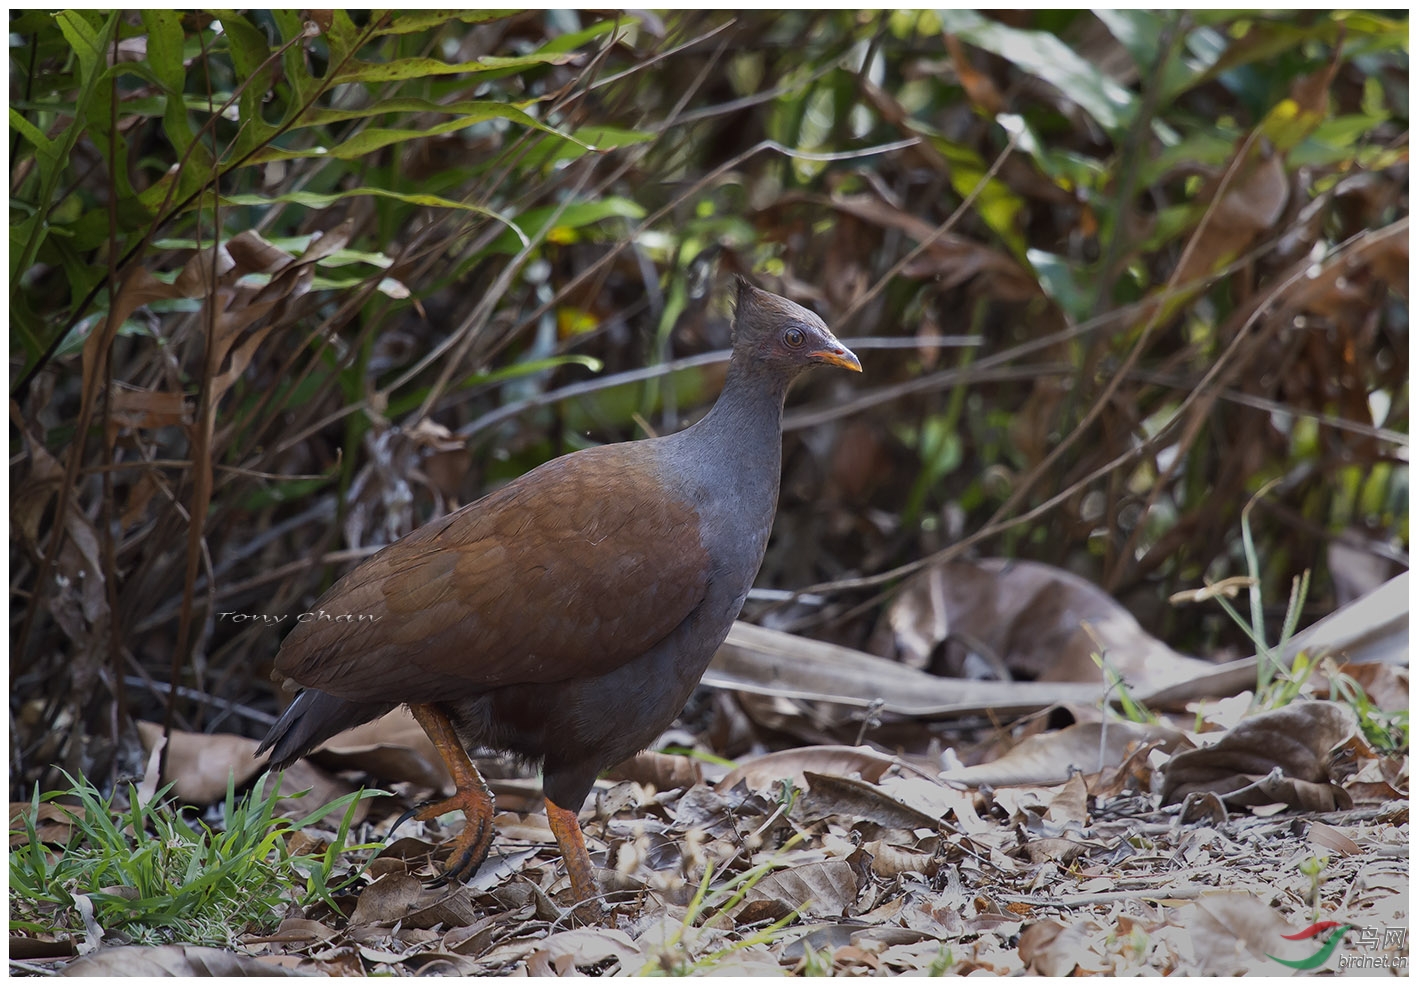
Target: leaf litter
point(1075, 843)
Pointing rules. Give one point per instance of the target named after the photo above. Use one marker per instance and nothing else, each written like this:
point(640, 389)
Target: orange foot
point(567, 830)
point(471, 795)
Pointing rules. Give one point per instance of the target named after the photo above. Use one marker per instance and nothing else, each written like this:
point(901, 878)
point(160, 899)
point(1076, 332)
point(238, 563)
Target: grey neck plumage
point(733, 457)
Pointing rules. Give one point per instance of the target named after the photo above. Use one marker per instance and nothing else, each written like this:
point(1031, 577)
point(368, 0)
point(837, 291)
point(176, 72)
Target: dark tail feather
point(311, 720)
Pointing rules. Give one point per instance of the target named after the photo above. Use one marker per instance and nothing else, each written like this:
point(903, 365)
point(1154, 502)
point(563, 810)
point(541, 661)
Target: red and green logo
point(1320, 955)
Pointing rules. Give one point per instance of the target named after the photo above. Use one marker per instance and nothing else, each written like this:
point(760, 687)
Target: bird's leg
point(569, 839)
point(471, 795)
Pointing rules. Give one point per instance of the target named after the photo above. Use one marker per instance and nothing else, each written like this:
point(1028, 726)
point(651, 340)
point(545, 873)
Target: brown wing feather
point(569, 571)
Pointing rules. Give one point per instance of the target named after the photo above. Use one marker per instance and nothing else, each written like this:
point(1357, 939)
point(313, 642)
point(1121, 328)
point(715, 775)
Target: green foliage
point(1278, 685)
point(943, 962)
point(1130, 708)
point(153, 875)
point(1384, 730)
point(1178, 235)
point(185, 106)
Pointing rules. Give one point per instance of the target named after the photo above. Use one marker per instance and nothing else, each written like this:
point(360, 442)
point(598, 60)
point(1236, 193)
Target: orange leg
point(569, 839)
point(471, 795)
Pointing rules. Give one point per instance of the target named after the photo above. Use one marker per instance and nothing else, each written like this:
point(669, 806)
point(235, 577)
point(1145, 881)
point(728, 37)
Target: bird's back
point(567, 572)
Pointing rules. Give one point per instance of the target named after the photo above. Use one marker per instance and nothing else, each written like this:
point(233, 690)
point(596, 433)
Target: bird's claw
point(470, 848)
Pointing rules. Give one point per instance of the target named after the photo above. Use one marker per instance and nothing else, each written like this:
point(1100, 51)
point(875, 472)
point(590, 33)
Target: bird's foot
point(471, 796)
point(471, 846)
point(567, 830)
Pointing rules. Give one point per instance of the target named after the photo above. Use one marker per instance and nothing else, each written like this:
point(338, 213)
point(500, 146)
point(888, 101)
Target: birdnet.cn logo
point(1371, 947)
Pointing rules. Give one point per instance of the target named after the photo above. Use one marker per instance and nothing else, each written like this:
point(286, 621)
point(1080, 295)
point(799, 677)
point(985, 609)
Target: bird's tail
point(313, 718)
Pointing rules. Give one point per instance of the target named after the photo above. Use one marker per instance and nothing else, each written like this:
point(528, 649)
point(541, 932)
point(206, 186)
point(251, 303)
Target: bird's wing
point(570, 571)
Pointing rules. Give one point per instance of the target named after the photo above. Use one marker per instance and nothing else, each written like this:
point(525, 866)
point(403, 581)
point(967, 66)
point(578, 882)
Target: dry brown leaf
point(140, 495)
point(1232, 933)
point(30, 498)
point(890, 860)
point(1052, 949)
point(828, 889)
point(937, 915)
point(1134, 774)
point(1051, 849)
point(474, 940)
point(1294, 741)
point(453, 907)
point(1253, 200)
point(1380, 779)
point(1071, 803)
point(1340, 289)
point(139, 287)
point(765, 772)
point(393, 748)
point(502, 864)
point(128, 408)
point(1033, 619)
point(585, 947)
point(1050, 758)
point(938, 801)
point(854, 801)
point(298, 930)
point(917, 957)
point(175, 961)
point(1387, 686)
point(1330, 838)
point(663, 772)
point(52, 823)
point(713, 812)
point(773, 663)
point(199, 764)
point(390, 899)
point(76, 594)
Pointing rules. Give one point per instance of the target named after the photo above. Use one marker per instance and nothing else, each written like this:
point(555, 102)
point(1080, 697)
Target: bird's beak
point(837, 355)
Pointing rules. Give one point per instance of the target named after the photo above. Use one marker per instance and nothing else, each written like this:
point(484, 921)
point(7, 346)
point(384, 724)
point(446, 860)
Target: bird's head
point(773, 332)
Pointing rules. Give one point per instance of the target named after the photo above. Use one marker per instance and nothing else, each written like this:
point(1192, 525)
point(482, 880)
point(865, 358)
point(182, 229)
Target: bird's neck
point(744, 430)
point(728, 464)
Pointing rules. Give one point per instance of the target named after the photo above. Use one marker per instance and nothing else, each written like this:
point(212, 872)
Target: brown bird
point(566, 617)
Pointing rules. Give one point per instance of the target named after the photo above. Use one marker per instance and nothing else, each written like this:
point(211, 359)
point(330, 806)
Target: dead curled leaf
point(774, 663)
point(1234, 933)
point(764, 773)
point(174, 961)
point(199, 765)
point(1024, 619)
point(1049, 759)
point(1052, 949)
point(664, 772)
point(1051, 848)
point(890, 860)
point(825, 889)
point(389, 899)
point(583, 947)
point(852, 798)
point(1327, 836)
point(393, 748)
point(1280, 756)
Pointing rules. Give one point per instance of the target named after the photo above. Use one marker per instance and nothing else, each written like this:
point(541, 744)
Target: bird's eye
point(794, 337)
